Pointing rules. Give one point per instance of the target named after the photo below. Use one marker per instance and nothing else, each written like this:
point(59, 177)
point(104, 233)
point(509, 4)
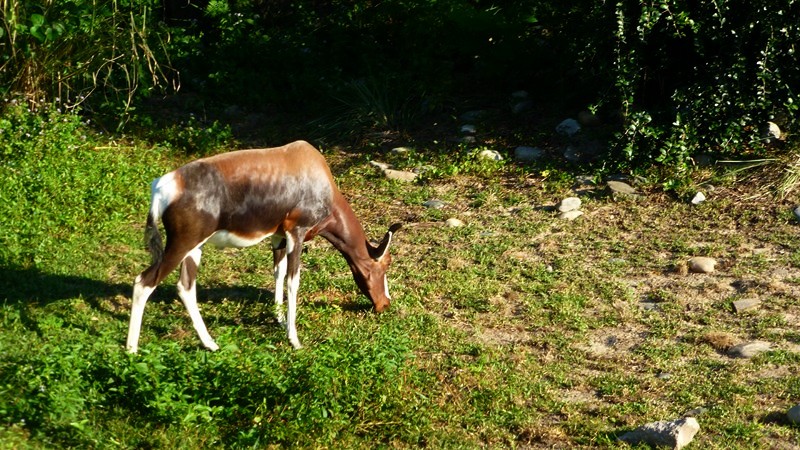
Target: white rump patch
point(162, 192)
point(224, 239)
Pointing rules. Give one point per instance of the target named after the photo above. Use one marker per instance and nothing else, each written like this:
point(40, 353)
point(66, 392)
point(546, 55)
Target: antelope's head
point(371, 275)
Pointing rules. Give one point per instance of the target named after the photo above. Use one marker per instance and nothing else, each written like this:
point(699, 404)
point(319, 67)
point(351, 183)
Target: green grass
point(517, 330)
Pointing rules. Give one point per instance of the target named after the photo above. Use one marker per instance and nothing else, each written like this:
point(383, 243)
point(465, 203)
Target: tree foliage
point(70, 49)
point(676, 77)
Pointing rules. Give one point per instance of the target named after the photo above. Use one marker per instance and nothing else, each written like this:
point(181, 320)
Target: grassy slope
point(517, 330)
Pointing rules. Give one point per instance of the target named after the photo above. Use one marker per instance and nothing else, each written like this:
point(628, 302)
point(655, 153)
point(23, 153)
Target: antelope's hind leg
point(187, 290)
point(279, 268)
point(141, 293)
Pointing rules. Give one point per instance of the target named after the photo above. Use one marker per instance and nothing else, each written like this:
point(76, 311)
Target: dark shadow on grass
point(24, 288)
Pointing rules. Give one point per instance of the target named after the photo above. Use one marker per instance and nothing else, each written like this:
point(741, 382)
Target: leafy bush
point(68, 50)
point(693, 77)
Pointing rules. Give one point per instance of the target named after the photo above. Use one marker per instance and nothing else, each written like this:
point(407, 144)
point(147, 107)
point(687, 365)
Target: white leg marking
point(291, 328)
point(140, 295)
point(189, 296)
point(280, 278)
point(292, 287)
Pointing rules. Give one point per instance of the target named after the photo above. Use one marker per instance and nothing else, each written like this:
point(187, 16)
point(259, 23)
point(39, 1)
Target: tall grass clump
point(73, 50)
point(59, 184)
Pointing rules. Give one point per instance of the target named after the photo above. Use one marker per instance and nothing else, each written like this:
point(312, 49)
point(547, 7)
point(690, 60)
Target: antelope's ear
point(383, 247)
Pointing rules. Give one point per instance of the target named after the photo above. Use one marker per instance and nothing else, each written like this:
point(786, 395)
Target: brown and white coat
point(240, 198)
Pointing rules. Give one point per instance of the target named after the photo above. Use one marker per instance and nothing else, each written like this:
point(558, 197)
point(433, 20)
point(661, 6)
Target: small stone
point(434, 204)
point(570, 215)
point(746, 304)
point(521, 106)
point(666, 376)
point(749, 349)
point(569, 204)
point(473, 116)
point(619, 187)
point(469, 129)
point(771, 132)
point(490, 154)
point(402, 150)
point(399, 175)
point(794, 414)
point(796, 212)
point(519, 95)
point(568, 127)
point(380, 165)
point(702, 264)
point(698, 198)
point(454, 223)
point(527, 154)
point(587, 119)
point(675, 434)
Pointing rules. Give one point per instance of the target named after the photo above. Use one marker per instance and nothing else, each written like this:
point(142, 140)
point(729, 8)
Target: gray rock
point(527, 154)
point(569, 204)
point(434, 204)
point(380, 165)
point(675, 434)
point(796, 212)
point(469, 129)
point(771, 132)
point(490, 154)
point(519, 95)
point(746, 304)
point(568, 128)
point(794, 414)
point(702, 264)
point(473, 116)
point(399, 175)
point(749, 349)
point(570, 215)
point(521, 106)
point(402, 150)
point(698, 198)
point(454, 223)
point(619, 187)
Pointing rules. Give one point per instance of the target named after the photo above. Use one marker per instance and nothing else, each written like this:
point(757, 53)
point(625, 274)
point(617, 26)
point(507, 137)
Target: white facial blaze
point(386, 287)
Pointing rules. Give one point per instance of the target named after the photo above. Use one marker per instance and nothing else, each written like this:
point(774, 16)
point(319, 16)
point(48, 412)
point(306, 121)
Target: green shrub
point(69, 50)
point(698, 77)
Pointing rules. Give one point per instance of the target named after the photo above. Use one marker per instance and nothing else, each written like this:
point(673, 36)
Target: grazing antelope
point(240, 198)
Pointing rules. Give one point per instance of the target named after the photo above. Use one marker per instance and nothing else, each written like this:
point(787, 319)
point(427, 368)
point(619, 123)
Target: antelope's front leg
point(294, 248)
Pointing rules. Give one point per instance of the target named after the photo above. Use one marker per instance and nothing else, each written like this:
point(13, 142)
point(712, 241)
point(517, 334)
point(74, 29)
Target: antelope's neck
point(345, 233)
